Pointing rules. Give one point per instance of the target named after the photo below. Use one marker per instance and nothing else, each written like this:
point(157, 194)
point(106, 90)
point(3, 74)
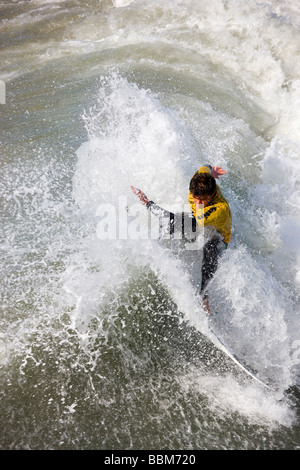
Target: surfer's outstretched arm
point(142, 196)
point(170, 222)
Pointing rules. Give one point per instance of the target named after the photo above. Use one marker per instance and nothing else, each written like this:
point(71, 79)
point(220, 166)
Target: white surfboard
point(220, 345)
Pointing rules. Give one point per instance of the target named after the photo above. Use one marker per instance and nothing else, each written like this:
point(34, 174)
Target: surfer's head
point(203, 188)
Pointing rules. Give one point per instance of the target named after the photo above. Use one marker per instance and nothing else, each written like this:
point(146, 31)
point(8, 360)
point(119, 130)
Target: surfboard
point(220, 345)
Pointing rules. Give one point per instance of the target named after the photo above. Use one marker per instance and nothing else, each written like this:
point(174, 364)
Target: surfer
point(209, 209)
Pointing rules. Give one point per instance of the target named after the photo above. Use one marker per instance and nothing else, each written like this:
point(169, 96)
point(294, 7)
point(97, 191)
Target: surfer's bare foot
point(206, 305)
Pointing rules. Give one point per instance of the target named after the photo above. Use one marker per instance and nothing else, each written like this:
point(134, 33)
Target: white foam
point(278, 196)
point(133, 140)
point(122, 3)
point(225, 395)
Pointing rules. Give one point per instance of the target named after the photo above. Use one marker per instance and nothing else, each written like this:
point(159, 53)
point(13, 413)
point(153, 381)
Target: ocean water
point(104, 343)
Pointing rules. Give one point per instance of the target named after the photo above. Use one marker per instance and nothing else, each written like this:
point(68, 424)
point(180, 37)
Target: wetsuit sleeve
point(182, 224)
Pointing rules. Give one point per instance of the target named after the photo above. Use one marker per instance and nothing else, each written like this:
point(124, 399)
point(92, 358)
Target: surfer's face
point(202, 200)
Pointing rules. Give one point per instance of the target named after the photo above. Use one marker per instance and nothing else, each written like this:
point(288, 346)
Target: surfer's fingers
point(217, 171)
point(142, 196)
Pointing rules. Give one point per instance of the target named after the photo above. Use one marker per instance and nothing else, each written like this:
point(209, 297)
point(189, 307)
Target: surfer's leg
point(211, 253)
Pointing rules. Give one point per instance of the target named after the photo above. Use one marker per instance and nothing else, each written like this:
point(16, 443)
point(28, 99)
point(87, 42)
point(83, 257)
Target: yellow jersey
point(216, 213)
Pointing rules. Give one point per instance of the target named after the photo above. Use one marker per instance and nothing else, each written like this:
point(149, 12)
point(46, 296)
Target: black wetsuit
point(186, 225)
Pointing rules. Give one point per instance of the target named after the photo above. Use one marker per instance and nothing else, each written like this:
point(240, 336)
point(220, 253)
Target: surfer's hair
point(203, 184)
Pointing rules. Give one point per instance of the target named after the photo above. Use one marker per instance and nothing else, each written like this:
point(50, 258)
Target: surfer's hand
point(142, 196)
point(217, 171)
